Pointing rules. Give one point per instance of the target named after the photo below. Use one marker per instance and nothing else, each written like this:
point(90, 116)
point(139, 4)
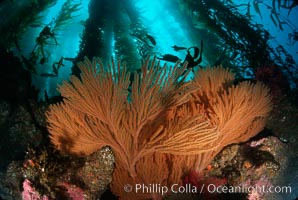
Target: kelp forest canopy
point(230, 35)
point(237, 40)
point(132, 30)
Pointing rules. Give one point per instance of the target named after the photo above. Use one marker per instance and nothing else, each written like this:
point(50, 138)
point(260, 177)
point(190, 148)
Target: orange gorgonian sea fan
point(162, 128)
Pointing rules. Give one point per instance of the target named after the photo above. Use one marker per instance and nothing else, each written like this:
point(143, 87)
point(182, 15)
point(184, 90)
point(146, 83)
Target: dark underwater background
point(41, 42)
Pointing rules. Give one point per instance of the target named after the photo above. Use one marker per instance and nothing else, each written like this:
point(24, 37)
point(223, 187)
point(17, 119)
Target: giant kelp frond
point(66, 14)
point(245, 45)
point(17, 19)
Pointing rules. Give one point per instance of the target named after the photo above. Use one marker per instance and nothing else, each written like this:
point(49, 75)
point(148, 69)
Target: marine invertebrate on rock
point(160, 130)
point(29, 193)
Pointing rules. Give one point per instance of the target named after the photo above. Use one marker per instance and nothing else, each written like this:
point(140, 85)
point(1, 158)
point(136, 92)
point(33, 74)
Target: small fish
point(140, 39)
point(48, 75)
point(169, 58)
point(70, 59)
point(151, 38)
point(176, 48)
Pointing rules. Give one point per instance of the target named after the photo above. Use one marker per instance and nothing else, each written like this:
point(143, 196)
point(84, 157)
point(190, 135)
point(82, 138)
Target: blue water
point(161, 21)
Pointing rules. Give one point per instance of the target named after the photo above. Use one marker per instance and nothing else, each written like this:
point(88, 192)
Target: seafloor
point(268, 160)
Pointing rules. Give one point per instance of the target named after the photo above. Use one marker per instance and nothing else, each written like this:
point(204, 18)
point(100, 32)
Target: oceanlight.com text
point(211, 188)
